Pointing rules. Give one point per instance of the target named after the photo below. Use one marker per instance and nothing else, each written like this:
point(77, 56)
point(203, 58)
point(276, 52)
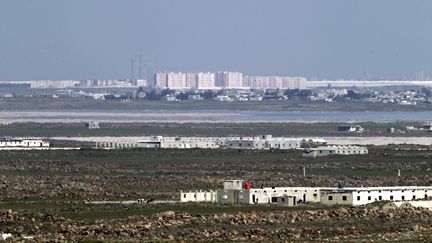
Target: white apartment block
point(176, 80)
point(161, 80)
point(274, 82)
point(230, 80)
point(56, 84)
point(191, 80)
point(206, 80)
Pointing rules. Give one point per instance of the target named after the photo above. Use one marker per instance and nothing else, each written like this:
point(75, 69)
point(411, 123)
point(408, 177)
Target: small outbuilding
point(286, 201)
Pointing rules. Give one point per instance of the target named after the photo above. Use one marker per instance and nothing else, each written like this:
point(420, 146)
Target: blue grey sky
point(95, 39)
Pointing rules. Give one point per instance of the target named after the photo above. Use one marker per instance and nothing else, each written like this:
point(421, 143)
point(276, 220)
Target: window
point(330, 198)
point(315, 195)
point(358, 198)
point(194, 195)
point(391, 197)
point(369, 198)
point(344, 198)
point(403, 197)
point(285, 190)
point(184, 196)
point(283, 199)
point(380, 198)
point(414, 197)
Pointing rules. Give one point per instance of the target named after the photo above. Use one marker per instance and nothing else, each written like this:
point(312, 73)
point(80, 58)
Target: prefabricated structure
point(23, 143)
point(261, 142)
point(334, 150)
point(162, 142)
point(364, 195)
point(198, 196)
point(408, 204)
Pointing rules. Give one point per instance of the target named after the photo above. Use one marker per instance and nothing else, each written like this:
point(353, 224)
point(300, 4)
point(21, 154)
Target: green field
point(202, 129)
point(287, 105)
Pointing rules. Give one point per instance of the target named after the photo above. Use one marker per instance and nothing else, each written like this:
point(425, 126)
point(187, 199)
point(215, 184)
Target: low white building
point(364, 195)
point(23, 143)
point(198, 196)
point(262, 142)
point(235, 192)
point(334, 150)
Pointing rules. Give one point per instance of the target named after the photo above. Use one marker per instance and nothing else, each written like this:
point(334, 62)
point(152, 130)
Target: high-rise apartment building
point(161, 80)
point(191, 80)
point(206, 80)
point(229, 80)
point(275, 82)
point(176, 80)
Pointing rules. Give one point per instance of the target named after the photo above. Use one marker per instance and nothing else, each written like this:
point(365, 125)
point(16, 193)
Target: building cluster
point(12, 144)
point(372, 95)
point(238, 192)
point(259, 142)
point(177, 81)
point(225, 80)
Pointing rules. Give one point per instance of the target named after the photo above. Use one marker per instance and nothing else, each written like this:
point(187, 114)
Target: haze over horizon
point(59, 39)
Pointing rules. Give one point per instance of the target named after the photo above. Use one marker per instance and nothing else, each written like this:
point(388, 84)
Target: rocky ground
point(42, 195)
point(370, 224)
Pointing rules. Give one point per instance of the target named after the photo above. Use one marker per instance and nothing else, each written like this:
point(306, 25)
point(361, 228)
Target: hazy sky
point(89, 39)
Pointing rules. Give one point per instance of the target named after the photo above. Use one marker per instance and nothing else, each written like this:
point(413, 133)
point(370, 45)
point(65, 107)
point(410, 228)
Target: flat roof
point(347, 188)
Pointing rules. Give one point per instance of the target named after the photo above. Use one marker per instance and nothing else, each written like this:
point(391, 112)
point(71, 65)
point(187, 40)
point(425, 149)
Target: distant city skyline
point(105, 39)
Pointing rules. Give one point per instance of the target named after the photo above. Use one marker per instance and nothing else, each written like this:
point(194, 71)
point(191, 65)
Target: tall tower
point(133, 63)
